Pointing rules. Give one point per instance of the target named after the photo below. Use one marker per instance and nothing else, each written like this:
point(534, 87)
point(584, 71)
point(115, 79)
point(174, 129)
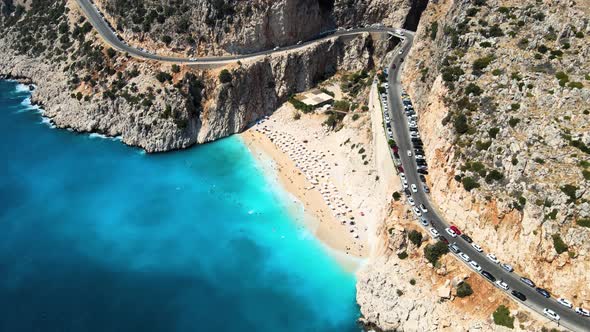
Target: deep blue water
point(96, 236)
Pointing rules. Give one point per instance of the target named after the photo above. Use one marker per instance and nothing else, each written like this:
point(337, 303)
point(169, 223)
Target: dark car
point(488, 275)
point(527, 281)
point(467, 238)
point(422, 171)
point(443, 239)
point(416, 140)
point(422, 178)
point(421, 162)
point(407, 192)
point(400, 168)
point(413, 129)
point(519, 295)
point(543, 292)
point(395, 149)
point(396, 155)
point(419, 151)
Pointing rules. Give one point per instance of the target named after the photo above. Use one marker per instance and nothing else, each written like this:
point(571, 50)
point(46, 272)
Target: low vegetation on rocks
point(502, 317)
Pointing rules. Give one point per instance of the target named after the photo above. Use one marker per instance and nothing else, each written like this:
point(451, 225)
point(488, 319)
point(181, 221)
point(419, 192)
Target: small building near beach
point(316, 98)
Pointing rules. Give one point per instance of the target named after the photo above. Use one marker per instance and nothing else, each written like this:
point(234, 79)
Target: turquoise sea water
point(96, 236)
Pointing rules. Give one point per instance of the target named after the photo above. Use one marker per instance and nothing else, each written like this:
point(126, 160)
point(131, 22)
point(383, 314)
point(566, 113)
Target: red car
point(455, 229)
point(400, 168)
point(395, 149)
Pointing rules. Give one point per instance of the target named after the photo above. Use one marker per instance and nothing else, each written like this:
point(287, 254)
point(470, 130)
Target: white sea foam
point(22, 88)
point(112, 138)
point(47, 121)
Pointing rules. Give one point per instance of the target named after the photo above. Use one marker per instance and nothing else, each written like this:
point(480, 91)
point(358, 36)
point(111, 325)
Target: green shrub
point(481, 63)
point(584, 222)
point(298, 104)
point(451, 74)
point(464, 290)
point(481, 146)
point(460, 124)
point(175, 68)
point(225, 76)
point(502, 317)
point(485, 44)
point(579, 34)
point(470, 183)
point(570, 191)
point(493, 132)
point(355, 117)
point(342, 105)
point(433, 30)
point(163, 77)
point(474, 89)
point(402, 255)
point(296, 116)
point(586, 174)
point(391, 143)
point(415, 237)
point(542, 49)
point(166, 39)
point(396, 196)
point(513, 122)
point(412, 281)
point(433, 252)
point(399, 292)
point(575, 85)
point(515, 106)
point(494, 175)
point(558, 244)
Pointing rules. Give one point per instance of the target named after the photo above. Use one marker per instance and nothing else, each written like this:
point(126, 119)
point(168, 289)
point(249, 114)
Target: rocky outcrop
point(505, 131)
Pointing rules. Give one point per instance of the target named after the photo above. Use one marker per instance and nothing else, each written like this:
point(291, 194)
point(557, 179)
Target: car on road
point(564, 302)
point(434, 232)
point(475, 266)
point(423, 208)
point(551, 314)
point(402, 175)
point(420, 157)
point(407, 192)
point(404, 184)
point(464, 257)
point(455, 229)
point(518, 295)
point(583, 312)
point(414, 134)
point(507, 267)
point(493, 258)
point(501, 284)
point(476, 247)
point(422, 178)
point(423, 221)
point(488, 276)
point(453, 247)
point(299, 42)
point(467, 238)
point(426, 190)
point(450, 232)
point(527, 281)
point(417, 211)
point(401, 51)
point(411, 201)
point(421, 171)
point(543, 292)
point(443, 239)
point(414, 188)
point(409, 153)
point(276, 48)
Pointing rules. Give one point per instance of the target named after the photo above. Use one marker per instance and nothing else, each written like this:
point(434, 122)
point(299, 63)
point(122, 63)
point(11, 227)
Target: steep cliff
point(89, 87)
point(501, 90)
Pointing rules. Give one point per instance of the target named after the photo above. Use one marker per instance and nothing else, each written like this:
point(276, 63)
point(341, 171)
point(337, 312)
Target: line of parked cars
point(417, 144)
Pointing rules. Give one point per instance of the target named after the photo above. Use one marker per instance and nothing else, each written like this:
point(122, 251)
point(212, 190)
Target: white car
point(276, 48)
point(417, 211)
point(405, 184)
point(434, 232)
point(502, 284)
point(401, 51)
point(423, 208)
point(411, 201)
point(423, 221)
point(464, 257)
point(583, 312)
point(386, 85)
point(299, 42)
point(507, 267)
point(409, 153)
point(475, 266)
point(414, 188)
point(451, 232)
point(551, 314)
point(493, 258)
point(564, 302)
point(476, 247)
point(402, 176)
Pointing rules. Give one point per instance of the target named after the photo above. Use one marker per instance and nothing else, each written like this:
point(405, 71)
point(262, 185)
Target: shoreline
point(319, 219)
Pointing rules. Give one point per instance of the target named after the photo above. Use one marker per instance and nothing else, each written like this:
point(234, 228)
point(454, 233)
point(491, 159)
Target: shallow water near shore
point(97, 236)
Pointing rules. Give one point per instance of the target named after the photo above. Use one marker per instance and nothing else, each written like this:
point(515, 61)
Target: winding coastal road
point(108, 34)
point(399, 122)
point(535, 301)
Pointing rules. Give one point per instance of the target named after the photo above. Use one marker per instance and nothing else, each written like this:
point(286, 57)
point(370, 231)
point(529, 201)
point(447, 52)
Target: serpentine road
point(535, 301)
point(399, 122)
point(110, 37)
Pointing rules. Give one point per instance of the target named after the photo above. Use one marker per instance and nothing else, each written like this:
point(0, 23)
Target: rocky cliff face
point(501, 89)
point(232, 26)
point(88, 87)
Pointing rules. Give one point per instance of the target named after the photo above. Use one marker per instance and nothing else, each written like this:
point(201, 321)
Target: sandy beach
point(343, 185)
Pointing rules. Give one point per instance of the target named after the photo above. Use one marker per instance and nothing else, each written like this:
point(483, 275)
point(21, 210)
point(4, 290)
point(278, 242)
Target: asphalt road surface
point(399, 123)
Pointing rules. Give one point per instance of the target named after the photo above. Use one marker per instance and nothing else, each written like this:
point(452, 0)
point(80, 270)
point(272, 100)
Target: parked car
point(423, 208)
point(493, 258)
point(434, 232)
point(407, 192)
point(426, 190)
point(551, 314)
point(518, 295)
point(453, 247)
point(443, 239)
point(455, 229)
point(414, 188)
point(409, 153)
point(475, 266)
point(583, 312)
point(422, 178)
point(543, 292)
point(421, 171)
point(450, 232)
point(423, 221)
point(527, 281)
point(476, 247)
point(467, 238)
point(464, 257)
point(501, 284)
point(411, 201)
point(417, 211)
point(488, 276)
point(402, 175)
point(564, 302)
point(404, 184)
point(507, 267)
